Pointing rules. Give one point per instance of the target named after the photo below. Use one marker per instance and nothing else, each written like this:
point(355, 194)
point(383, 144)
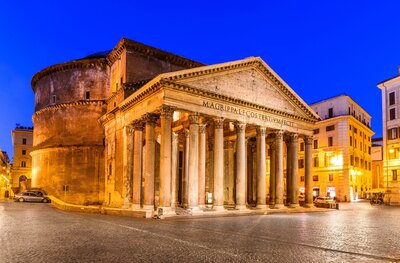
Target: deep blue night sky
point(320, 48)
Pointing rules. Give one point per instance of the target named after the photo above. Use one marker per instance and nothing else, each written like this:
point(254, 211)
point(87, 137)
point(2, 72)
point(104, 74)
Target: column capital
point(228, 144)
point(219, 123)
point(278, 134)
point(240, 126)
point(202, 127)
point(272, 145)
point(261, 130)
point(308, 140)
point(150, 118)
point(194, 118)
point(293, 137)
point(186, 133)
point(166, 111)
point(129, 129)
point(137, 125)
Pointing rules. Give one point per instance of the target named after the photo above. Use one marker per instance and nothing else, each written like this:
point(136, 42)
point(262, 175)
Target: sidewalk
point(180, 213)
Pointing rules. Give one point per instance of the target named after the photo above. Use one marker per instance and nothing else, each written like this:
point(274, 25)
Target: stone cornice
point(75, 64)
point(41, 148)
point(131, 86)
point(67, 105)
point(131, 45)
point(254, 62)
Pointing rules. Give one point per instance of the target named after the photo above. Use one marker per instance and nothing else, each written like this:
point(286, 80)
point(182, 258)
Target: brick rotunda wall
point(68, 153)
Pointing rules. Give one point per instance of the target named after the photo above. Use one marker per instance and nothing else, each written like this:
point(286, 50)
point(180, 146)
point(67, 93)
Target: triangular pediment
point(250, 80)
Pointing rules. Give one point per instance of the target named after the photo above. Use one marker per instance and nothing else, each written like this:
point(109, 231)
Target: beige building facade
point(22, 140)
point(5, 176)
point(342, 163)
point(162, 131)
point(391, 138)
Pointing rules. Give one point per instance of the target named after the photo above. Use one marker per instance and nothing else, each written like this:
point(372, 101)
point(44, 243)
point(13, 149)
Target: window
point(301, 163)
point(23, 164)
point(121, 81)
point(349, 111)
point(330, 141)
point(87, 95)
point(369, 149)
point(394, 175)
point(355, 130)
point(350, 127)
point(392, 133)
point(351, 160)
point(330, 177)
point(302, 146)
point(351, 141)
point(315, 144)
point(316, 131)
point(392, 98)
point(23, 152)
point(392, 114)
point(54, 99)
point(110, 169)
point(23, 140)
point(315, 178)
point(315, 162)
point(302, 178)
point(330, 128)
point(330, 112)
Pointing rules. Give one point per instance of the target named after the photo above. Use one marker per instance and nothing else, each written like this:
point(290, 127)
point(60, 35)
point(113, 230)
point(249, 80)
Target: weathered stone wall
point(68, 153)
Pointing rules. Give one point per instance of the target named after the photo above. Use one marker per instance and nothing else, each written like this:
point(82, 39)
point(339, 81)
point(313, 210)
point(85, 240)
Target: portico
point(190, 134)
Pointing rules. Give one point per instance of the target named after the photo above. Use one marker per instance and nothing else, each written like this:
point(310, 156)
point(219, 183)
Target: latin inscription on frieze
point(248, 113)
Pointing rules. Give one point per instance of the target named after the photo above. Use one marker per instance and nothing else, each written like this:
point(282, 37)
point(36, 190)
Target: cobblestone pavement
point(358, 232)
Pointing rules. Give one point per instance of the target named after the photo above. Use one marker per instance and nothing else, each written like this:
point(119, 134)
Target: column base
point(219, 208)
point(241, 207)
point(195, 210)
point(127, 204)
point(136, 207)
point(261, 206)
point(148, 207)
point(165, 211)
point(309, 205)
point(293, 205)
point(279, 206)
point(203, 206)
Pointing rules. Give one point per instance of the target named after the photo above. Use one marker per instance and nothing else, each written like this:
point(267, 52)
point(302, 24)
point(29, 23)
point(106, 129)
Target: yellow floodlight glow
point(391, 150)
point(337, 160)
point(5, 178)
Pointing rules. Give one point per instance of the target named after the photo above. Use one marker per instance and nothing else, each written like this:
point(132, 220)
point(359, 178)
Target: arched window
point(23, 164)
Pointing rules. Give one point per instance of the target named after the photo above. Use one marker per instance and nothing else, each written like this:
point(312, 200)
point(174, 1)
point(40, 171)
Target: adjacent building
point(141, 128)
point(5, 175)
point(22, 140)
point(341, 156)
point(390, 89)
point(378, 181)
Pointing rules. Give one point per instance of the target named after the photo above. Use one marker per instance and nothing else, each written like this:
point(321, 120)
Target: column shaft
point(137, 164)
point(288, 171)
point(294, 198)
point(279, 170)
point(127, 165)
point(174, 171)
point(261, 168)
point(165, 158)
point(307, 172)
point(241, 166)
point(218, 196)
point(149, 163)
point(194, 162)
point(272, 174)
point(202, 165)
point(185, 196)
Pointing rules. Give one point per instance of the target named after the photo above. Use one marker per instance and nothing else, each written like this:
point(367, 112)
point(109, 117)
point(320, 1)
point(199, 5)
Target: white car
point(30, 197)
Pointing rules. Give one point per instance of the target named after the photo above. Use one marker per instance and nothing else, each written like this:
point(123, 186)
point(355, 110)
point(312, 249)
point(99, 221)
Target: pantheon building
point(143, 129)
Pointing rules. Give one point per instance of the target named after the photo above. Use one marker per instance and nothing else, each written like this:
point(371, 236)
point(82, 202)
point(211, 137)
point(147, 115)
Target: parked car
point(38, 191)
point(30, 197)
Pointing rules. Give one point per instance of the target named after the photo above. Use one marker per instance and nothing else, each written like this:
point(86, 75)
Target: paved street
point(355, 233)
